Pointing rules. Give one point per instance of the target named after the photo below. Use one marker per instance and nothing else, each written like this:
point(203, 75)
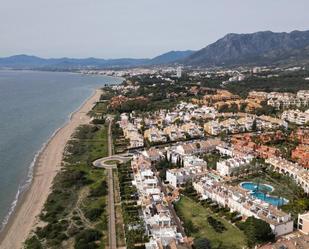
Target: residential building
point(303, 223)
point(293, 170)
point(179, 176)
point(154, 135)
point(233, 166)
point(239, 200)
point(296, 116)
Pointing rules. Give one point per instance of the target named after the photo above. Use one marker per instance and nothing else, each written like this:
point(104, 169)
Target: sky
point(136, 28)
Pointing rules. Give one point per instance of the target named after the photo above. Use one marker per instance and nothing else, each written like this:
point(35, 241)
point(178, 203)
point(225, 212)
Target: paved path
point(101, 163)
point(111, 203)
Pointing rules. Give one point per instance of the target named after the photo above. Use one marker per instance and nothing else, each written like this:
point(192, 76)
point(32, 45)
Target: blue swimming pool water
point(261, 191)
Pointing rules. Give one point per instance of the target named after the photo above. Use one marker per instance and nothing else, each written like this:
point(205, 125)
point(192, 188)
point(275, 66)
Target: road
point(111, 203)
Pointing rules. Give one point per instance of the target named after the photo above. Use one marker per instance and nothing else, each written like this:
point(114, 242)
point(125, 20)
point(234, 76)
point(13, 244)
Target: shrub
point(216, 224)
point(202, 243)
point(33, 243)
point(101, 190)
point(256, 230)
point(94, 213)
point(86, 239)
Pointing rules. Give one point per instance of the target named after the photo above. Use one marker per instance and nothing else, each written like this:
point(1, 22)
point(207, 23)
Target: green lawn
point(111, 162)
point(188, 209)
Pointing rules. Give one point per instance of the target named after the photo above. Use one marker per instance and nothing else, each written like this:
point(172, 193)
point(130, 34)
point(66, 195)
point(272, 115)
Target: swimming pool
point(261, 191)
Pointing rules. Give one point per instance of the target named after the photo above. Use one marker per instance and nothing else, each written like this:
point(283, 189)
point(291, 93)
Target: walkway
point(111, 203)
point(102, 163)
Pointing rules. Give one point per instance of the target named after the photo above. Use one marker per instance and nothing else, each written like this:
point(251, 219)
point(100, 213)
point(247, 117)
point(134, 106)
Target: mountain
point(257, 48)
point(33, 62)
point(170, 57)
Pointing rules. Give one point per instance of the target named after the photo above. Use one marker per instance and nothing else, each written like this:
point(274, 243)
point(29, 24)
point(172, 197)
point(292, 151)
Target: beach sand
point(48, 163)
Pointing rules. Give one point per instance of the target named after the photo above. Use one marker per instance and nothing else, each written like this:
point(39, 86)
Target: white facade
point(229, 166)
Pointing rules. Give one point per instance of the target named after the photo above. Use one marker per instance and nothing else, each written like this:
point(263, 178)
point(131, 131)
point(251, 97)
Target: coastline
point(42, 171)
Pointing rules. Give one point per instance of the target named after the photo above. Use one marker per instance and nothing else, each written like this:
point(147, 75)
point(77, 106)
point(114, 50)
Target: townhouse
point(296, 116)
point(174, 133)
point(232, 166)
point(179, 176)
point(154, 135)
point(293, 170)
point(192, 129)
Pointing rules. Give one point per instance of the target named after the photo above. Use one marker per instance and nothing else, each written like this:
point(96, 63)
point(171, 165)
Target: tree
point(256, 230)
point(33, 243)
point(254, 125)
point(202, 243)
point(86, 239)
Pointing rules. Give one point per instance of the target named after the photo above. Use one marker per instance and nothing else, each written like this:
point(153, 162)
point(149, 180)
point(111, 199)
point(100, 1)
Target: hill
point(171, 57)
point(33, 62)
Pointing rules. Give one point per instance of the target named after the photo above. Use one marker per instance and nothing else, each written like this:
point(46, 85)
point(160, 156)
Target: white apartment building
point(232, 165)
point(177, 177)
point(296, 116)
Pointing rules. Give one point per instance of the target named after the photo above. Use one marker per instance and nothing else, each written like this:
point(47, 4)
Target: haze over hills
point(260, 48)
point(27, 62)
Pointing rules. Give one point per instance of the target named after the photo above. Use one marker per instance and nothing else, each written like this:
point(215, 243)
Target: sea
point(33, 105)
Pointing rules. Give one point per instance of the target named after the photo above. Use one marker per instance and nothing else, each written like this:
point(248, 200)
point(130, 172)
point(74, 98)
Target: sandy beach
point(25, 216)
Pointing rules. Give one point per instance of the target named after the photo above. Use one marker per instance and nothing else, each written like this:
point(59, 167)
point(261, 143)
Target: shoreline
point(42, 171)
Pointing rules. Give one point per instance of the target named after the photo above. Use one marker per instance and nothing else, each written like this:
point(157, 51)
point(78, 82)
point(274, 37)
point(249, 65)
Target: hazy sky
point(136, 28)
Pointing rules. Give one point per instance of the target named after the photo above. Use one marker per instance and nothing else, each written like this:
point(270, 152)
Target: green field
point(189, 210)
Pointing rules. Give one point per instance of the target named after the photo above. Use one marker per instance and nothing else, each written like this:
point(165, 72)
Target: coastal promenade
point(25, 217)
point(103, 163)
point(111, 203)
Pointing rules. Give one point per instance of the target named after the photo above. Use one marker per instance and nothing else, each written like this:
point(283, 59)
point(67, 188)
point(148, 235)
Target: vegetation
point(75, 210)
point(196, 216)
point(212, 159)
point(134, 228)
point(285, 82)
point(256, 230)
point(202, 243)
point(87, 239)
point(216, 224)
point(33, 243)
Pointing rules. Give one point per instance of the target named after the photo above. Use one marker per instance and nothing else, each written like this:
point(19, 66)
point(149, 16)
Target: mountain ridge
point(263, 47)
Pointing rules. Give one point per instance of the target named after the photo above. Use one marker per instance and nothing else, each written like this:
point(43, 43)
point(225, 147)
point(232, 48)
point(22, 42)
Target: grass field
point(188, 210)
point(111, 162)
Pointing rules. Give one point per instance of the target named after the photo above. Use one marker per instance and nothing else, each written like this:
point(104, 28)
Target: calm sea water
point(32, 106)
